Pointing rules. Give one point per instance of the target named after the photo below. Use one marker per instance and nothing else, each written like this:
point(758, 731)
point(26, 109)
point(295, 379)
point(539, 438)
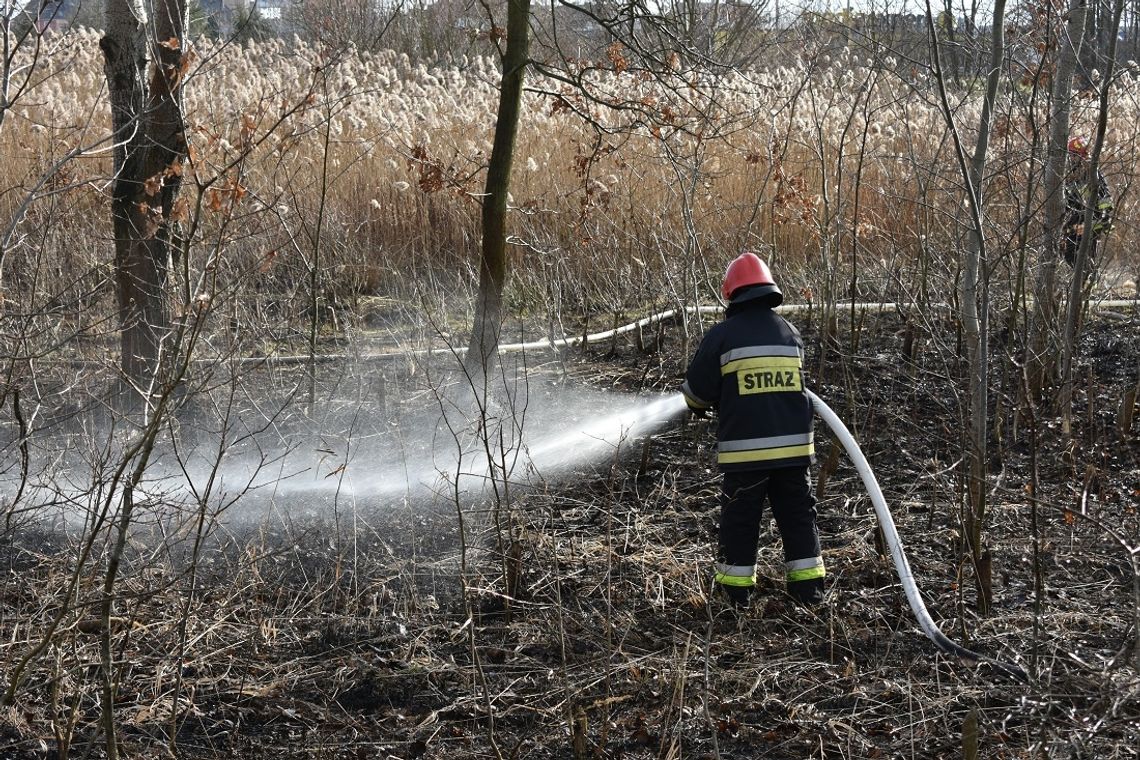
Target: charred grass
point(387, 630)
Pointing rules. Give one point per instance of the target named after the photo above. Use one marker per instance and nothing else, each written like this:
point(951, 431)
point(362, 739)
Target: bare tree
point(16, 31)
point(1042, 343)
point(1076, 289)
point(664, 43)
point(493, 262)
point(144, 66)
point(340, 23)
point(975, 300)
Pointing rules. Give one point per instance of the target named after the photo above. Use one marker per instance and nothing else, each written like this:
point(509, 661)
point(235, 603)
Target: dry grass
point(809, 162)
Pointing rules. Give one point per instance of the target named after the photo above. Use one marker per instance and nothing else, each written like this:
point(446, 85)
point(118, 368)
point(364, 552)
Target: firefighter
point(1076, 201)
point(749, 368)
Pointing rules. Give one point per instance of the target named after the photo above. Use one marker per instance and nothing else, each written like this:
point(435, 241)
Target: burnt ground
point(574, 619)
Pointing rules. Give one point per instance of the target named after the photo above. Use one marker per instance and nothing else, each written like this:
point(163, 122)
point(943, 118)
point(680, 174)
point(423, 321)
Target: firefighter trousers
point(788, 491)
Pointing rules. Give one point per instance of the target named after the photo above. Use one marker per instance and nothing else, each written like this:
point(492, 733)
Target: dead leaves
point(180, 211)
point(117, 624)
point(226, 197)
point(153, 184)
point(617, 57)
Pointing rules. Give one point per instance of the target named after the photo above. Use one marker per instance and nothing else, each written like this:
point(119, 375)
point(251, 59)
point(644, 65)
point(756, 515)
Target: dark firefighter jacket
point(1077, 200)
point(750, 369)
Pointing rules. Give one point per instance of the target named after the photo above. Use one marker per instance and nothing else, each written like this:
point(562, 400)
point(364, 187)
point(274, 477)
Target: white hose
point(546, 344)
point(887, 523)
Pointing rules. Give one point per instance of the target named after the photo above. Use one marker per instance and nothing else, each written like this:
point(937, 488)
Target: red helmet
point(749, 269)
point(1080, 146)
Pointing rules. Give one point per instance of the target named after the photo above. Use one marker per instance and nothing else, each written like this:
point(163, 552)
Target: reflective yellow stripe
point(807, 574)
point(741, 581)
point(693, 403)
point(762, 362)
point(764, 455)
point(691, 398)
point(768, 380)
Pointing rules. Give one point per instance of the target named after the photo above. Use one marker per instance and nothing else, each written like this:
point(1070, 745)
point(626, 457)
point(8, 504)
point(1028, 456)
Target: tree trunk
point(1076, 290)
point(975, 283)
point(1042, 340)
point(493, 264)
point(975, 311)
point(147, 121)
point(146, 117)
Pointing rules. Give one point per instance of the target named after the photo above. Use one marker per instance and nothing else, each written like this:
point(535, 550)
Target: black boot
point(808, 593)
point(737, 596)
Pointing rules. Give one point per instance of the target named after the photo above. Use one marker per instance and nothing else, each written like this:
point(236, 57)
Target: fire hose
point(890, 533)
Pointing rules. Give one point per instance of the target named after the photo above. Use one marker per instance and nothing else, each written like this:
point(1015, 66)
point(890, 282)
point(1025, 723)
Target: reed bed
point(368, 168)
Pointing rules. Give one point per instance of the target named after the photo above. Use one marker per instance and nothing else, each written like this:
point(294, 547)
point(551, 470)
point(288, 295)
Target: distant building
point(272, 10)
point(50, 15)
point(223, 15)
